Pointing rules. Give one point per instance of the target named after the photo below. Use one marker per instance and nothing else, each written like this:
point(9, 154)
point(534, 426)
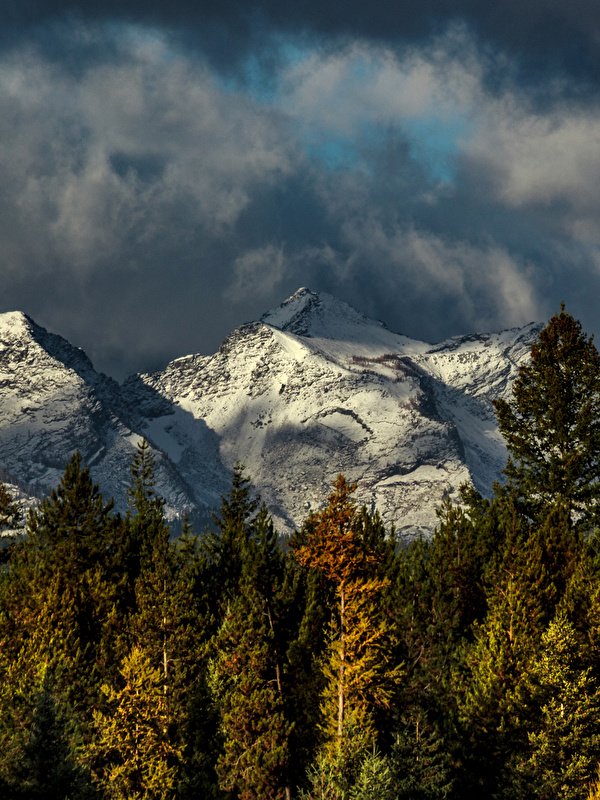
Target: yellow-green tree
point(360, 673)
point(133, 756)
point(561, 757)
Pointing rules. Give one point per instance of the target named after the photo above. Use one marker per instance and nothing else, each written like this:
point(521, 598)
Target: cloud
point(428, 277)
point(258, 272)
point(541, 157)
point(149, 202)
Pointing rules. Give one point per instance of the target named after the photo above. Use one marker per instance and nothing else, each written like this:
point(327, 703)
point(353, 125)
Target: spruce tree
point(552, 425)
point(251, 671)
point(420, 760)
point(73, 529)
point(47, 767)
point(561, 756)
point(145, 520)
point(56, 601)
point(222, 548)
point(10, 513)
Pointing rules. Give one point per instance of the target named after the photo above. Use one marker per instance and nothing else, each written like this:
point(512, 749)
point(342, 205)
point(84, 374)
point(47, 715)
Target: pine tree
point(168, 625)
point(10, 512)
point(56, 600)
point(552, 426)
point(420, 760)
point(74, 528)
point(11, 520)
point(47, 765)
point(561, 758)
point(222, 548)
point(145, 521)
point(250, 666)
point(440, 592)
point(133, 755)
point(525, 589)
point(375, 780)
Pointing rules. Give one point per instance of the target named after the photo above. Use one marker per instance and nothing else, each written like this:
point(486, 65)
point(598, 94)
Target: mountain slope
point(314, 389)
point(53, 402)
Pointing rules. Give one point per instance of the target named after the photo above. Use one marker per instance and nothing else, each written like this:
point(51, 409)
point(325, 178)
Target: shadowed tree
point(47, 767)
point(552, 425)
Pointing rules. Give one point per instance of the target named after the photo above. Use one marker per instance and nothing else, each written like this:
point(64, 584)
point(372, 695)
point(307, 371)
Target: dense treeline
point(337, 666)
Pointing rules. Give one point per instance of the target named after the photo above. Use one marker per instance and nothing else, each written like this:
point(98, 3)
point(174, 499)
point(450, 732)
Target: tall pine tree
point(552, 425)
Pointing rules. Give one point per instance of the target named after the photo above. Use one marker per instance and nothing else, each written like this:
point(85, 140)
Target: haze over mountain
point(312, 389)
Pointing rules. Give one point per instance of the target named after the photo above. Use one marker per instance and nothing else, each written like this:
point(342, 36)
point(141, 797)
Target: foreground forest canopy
point(335, 665)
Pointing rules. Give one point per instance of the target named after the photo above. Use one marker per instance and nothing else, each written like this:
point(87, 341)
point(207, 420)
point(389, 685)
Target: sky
point(167, 174)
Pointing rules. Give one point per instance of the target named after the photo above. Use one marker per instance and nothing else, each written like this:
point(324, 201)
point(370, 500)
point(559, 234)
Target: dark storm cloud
point(167, 175)
point(545, 34)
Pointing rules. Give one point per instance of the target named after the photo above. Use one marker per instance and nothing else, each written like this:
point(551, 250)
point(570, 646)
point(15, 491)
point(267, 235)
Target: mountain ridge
point(311, 389)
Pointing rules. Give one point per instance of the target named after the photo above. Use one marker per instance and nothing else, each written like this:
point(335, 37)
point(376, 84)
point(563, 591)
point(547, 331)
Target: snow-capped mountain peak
point(321, 315)
point(313, 389)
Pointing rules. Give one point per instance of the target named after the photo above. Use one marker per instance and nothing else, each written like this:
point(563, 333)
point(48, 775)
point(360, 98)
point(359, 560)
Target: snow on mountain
point(53, 402)
point(313, 389)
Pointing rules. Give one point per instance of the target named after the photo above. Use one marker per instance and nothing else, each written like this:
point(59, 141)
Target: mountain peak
point(318, 315)
point(15, 321)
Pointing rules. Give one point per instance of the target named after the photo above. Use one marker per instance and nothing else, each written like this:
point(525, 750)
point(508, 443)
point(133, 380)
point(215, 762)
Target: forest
point(336, 664)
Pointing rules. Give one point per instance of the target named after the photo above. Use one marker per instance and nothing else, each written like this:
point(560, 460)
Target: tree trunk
point(342, 669)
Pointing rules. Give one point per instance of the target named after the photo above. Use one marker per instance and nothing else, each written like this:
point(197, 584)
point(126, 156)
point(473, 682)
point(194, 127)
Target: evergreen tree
point(526, 588)
point(168, 625)
point(47, 766)
point(440, 593)
point(420, 760)
point(133, 755)
point(561, 759)
point(375, 780)
point(250, 667)
point(56, 600)
point(10, 513)
point(552, 426)
point(10, 519)
point(223, 548)
point(74, 528)
point(145, 521)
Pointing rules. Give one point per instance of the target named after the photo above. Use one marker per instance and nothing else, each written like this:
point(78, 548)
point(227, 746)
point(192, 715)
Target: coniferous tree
point(47, 766)
point(133, 755)
point(250, 665)
point(420, 760)
point(359, 673)
point(526, 587)
point(561, 756)
point(72, 529)
point(168, 625)
point(57, 597)
point(145, 521)
point(10, 519)
point(552, 426)
point(223, 548)
point(10, 513)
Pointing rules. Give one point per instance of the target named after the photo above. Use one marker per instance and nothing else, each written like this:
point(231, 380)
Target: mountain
point(312, 389)
point(316, 388)
point(53, 402)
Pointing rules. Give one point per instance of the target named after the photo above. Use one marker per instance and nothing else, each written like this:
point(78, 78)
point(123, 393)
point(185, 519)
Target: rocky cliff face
point(311, 390)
